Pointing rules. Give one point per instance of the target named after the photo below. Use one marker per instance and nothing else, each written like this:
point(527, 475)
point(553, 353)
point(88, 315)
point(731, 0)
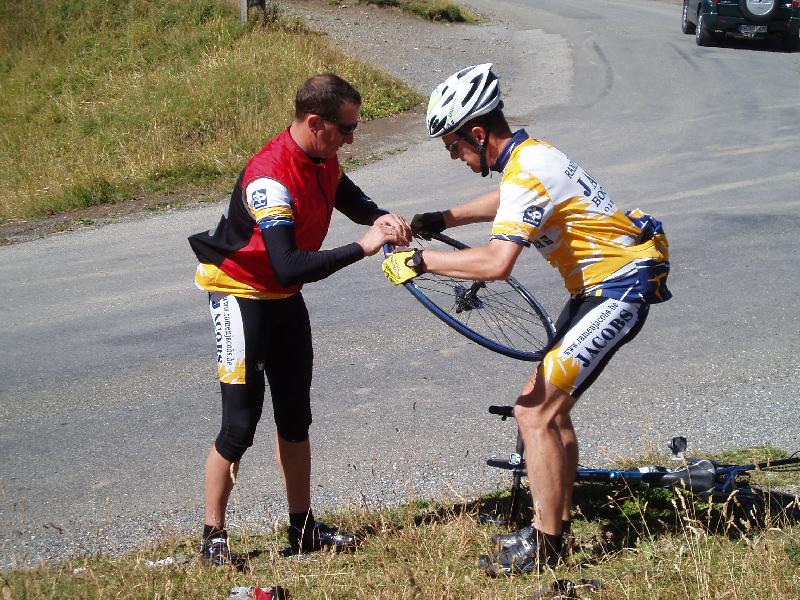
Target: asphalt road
point(108, 400)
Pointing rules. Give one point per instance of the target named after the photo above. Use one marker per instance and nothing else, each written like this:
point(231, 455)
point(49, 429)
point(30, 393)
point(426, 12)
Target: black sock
point(301, 520)
point(212, 531)
point(566, 528)
point(550, 544)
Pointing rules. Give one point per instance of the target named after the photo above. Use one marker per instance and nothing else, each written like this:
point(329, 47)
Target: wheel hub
point(467, 299)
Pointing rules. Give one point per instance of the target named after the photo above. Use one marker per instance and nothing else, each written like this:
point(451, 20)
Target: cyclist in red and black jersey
point(253, 265)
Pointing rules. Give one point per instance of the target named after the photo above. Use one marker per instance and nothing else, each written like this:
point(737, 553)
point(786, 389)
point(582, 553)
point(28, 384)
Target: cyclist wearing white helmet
point(614, 265)
point(465, 95)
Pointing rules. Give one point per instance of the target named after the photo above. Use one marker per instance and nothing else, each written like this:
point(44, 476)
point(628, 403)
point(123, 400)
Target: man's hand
point(397, 269)
point(429, 222)
point(386, 229)
point(399, 224)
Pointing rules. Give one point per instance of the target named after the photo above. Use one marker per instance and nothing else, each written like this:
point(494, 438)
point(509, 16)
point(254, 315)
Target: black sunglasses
point(344, 128)
point(451, 148)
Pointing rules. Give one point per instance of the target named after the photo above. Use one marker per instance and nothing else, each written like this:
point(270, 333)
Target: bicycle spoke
point(501, 315)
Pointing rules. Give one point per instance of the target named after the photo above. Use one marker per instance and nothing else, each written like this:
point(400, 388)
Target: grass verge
point(104, 100)
point(433, 10)
point(640, 544)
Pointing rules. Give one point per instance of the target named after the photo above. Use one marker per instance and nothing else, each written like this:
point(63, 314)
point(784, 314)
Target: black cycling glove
point(429, 222)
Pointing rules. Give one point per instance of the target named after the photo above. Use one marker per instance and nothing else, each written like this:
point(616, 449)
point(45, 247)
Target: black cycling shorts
point(254, 339)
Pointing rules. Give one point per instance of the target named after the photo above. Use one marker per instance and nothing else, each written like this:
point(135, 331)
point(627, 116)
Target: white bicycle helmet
point(469, 93)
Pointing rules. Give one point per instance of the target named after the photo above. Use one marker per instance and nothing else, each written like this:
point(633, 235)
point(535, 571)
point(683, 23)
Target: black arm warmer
point(292, 266)
point(354, 203)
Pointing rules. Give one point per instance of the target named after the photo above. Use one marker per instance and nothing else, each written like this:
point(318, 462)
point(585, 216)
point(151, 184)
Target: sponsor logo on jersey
point(533, 216)
point(259, 199)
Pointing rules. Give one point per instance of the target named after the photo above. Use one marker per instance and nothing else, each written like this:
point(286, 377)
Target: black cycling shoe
point(527, 554)
point(216, 552)
point(317, 536)
point(509, 539)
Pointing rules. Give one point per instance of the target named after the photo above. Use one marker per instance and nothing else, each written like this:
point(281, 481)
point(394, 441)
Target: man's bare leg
point(220, 475)
point(570, 443)
point(294, 461)
point(548, 460)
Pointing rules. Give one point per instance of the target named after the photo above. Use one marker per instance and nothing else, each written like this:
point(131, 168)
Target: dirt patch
point(25, 230)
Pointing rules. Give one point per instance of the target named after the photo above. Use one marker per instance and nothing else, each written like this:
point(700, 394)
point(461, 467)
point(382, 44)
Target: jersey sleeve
point(525, 205)
point(354, 203)
point(292, 266)
point(269, 202)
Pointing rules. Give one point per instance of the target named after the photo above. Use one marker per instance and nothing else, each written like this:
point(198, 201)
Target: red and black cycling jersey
point(267, 242)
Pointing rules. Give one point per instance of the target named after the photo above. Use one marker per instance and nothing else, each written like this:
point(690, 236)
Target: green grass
point(105, 100)
point(641, 544)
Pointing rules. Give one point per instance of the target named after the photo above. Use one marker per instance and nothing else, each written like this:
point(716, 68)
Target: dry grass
point(102, 100)
point(433, 10)
point(640, 545)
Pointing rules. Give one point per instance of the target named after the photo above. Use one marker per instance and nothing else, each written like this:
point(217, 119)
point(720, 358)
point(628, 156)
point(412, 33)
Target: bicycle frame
point(703, 477)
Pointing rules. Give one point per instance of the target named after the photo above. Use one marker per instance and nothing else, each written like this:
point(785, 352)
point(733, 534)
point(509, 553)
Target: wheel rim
point(493, 314)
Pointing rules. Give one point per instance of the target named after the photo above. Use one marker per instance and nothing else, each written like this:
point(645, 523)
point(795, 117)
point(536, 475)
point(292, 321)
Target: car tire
point(702, 36)
point(791, 42)
point(686, 25)
point(759, 12)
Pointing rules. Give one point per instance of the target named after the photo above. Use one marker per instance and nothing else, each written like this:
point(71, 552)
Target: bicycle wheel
point(502, 315)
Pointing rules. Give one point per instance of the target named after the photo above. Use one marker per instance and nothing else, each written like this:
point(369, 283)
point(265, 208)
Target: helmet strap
point(479, 146)
point(485, 170)
point(484, 163)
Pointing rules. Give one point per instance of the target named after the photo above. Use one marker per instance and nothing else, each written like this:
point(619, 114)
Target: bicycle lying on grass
point(706, 478)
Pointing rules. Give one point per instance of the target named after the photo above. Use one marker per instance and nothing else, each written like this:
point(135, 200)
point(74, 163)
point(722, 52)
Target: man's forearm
point(480, 210)
point(484, 263)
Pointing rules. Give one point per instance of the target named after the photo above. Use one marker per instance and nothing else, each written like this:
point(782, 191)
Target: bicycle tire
point(510, 320)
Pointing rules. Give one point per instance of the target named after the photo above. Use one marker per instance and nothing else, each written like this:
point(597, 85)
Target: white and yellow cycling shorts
point(589, 331)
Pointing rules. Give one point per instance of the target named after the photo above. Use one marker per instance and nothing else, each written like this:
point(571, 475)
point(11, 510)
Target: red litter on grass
point(257, 593)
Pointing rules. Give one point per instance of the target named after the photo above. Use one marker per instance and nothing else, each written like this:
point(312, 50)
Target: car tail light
point(795, 3)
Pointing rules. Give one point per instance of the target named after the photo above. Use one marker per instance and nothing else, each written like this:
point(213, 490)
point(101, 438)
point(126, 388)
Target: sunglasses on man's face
point(452, 147)
point(344, 128)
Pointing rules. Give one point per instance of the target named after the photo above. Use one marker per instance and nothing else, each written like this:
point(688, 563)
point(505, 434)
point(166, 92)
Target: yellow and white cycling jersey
point(551, 202)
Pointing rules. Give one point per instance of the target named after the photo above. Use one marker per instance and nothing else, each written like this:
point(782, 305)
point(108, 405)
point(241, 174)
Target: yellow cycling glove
point(396, 269)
